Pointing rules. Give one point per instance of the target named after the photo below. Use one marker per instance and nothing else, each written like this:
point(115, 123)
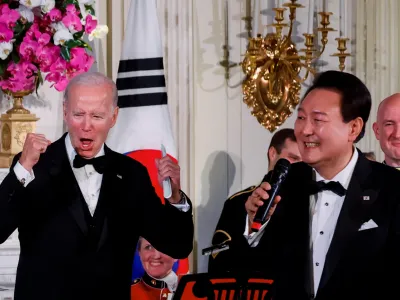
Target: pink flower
point(6, 33)
point(8, 16)
point(42, 38)
point(72, 9)
point(21, 76)
point(55, 15)
point(10, 85)
point(46, 56)
point(91, 24)
point(80, 60)
point(61, 84)
point(72, 22)
point(27, 49)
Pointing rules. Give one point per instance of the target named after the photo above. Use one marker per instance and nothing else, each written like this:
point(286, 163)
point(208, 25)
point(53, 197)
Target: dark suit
point(359, 264)
point(68, 254)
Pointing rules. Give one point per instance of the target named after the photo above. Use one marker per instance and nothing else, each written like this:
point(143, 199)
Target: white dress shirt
point(325, 208)
point(88, 179)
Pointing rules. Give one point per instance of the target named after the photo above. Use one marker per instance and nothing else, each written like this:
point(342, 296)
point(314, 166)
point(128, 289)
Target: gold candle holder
point(325, 29)
point(310, 48)
point(279, 18)
point(342, 52)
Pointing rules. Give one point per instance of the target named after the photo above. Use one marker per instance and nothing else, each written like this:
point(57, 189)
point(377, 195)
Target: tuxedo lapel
point(66, 185)
point(357, 203)
point(111, 183)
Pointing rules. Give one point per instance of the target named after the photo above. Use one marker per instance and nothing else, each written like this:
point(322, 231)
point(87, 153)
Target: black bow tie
point(334, 186)
point(99, 163)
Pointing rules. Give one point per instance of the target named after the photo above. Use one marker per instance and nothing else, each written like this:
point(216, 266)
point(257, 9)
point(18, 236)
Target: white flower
point(99, 32)
point(5, 49)
point(26, 13)
point(86, 2)
point(30, 3)
point(61, 36)
point(47, 5)
point(58, 26)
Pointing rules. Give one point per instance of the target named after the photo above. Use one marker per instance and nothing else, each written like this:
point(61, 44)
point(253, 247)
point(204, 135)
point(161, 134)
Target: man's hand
point(255, 201)
point(35, 144)
point(168, 168)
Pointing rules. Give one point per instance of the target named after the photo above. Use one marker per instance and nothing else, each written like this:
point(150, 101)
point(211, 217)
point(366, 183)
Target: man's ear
point(355, 128)
point(375, 127)
point(272, 154)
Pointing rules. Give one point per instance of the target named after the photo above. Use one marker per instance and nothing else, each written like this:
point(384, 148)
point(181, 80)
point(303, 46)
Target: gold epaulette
point(246, 191)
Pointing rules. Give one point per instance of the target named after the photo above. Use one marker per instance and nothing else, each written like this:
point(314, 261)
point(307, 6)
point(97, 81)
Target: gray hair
point(92, 79)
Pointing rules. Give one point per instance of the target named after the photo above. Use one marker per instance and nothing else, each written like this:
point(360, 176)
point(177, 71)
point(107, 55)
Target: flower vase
point(15, 124)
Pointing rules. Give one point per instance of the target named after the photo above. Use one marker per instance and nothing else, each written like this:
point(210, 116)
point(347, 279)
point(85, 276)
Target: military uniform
point(148, 288)
point(231, 226)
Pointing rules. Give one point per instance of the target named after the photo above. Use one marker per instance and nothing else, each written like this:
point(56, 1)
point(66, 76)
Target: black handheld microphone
point(276, 179)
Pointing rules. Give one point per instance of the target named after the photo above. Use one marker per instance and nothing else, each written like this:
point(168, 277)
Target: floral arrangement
point(45, 38)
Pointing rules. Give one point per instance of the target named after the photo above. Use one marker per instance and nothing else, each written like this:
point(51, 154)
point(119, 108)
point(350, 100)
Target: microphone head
point(282, 165)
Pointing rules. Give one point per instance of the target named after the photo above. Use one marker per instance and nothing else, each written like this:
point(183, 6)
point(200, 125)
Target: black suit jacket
point(67, 254)
point(359, 264)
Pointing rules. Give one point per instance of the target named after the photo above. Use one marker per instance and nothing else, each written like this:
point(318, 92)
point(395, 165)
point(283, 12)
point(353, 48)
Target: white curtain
point(377, 55)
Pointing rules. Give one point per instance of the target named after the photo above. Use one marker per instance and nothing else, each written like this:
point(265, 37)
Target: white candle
point(310, 16)
point(278, 3)
point(324, 6)
point(342, 19)
point(226, 23)
point(256, 17)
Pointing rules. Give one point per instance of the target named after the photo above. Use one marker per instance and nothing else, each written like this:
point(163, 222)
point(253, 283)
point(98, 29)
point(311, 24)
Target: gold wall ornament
point(273, 67)
point(15, 124)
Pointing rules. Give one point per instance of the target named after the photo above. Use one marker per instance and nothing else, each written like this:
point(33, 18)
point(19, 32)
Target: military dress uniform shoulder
point(249, 190)
point(136, 281)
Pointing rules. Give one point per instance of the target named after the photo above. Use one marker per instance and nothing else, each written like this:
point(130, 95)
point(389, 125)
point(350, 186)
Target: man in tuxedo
point(387, 129)
point(80, 207)
point(233, 222)
point(335, 231)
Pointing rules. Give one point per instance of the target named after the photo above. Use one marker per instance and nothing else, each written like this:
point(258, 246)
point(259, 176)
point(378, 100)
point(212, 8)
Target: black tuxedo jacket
point(359, 264)
point(68, 254)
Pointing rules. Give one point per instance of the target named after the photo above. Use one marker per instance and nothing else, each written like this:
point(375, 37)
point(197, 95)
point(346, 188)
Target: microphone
point(276, 179)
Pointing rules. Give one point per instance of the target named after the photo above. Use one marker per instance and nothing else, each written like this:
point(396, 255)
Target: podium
point(224, 287)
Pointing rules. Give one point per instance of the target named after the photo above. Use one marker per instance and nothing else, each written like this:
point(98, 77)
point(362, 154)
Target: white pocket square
point(368, 225)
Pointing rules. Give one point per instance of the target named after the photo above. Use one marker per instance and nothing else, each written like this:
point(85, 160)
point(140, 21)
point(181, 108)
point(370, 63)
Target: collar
point(171, 280)
point(384, 162)
point(71, 151)
point(152, 282)
point(344, 176)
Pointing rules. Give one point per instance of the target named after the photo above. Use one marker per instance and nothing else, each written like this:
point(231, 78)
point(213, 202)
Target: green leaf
point(39, 81)
point(18, 28)
point(87, 46)
point(40, 77)
point(3, 68)
point(15, 57)
point(78, 35)
point(65, 53)
point(90, 9)
point(73, 43)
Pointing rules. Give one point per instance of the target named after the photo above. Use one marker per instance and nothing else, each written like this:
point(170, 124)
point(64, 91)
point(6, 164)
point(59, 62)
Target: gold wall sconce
point(272, 65)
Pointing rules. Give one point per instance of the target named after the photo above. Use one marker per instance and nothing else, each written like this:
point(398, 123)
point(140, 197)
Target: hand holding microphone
point(262, 203)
